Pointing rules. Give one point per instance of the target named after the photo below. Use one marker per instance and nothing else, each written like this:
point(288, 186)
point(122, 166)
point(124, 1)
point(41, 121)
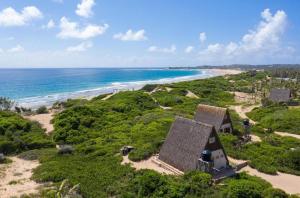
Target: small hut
point(192, 145)
point(217, 116)
point(280, 95)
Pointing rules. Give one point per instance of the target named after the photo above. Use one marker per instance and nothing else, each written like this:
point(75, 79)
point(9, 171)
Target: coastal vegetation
point(97, 129)
point(278, 118)
point(18, 134)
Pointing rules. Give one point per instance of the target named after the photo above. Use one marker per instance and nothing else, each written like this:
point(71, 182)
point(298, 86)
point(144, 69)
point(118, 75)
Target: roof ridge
point(210, 106)
point(194, 121)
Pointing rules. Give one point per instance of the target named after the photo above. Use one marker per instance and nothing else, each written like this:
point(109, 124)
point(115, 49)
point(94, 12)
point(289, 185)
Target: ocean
point(36, 87)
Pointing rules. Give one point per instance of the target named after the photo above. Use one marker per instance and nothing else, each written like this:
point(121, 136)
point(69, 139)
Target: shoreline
point(49, 100)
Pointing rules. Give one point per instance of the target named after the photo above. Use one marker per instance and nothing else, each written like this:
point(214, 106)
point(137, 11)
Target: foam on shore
point(35, 102)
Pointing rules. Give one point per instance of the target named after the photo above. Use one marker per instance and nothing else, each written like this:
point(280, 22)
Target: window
point(212, 140)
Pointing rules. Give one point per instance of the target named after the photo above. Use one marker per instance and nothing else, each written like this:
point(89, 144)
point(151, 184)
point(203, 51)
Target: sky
point(143, 33)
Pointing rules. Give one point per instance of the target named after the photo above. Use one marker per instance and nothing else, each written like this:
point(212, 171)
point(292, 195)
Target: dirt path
point(44, 120)
point(255, 138)
point(15, 178)
point(243, 110)
point(191, 95)
point(242, 113)
point(287, 182)
point(284, 134)
point(146, 164)
point(108, 96)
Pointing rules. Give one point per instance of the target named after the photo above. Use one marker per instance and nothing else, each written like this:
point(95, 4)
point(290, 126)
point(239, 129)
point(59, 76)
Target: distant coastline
point(113, 86)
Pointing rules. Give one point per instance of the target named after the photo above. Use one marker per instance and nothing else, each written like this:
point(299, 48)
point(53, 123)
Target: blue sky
point(143, 33)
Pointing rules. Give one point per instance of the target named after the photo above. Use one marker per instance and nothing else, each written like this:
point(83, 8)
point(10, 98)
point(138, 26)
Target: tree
point(6, 104)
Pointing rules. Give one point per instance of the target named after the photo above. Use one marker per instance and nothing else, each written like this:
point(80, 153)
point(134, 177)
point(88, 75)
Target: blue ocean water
point(44, 86)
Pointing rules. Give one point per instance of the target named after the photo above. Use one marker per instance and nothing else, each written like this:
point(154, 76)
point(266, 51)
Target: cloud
point(81, 47)
point(72, 30)
point(189, 49)
point(131, 36)
point(49, 25)
point(259, 43)
point(1, 50)
point(202, 37)
point(17, 48)
point(84, 9)
point(171, 49)
point(10, 17)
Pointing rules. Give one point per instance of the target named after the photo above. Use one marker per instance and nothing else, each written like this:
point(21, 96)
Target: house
point(217, 116)
point(190, 143)
point(280, 95)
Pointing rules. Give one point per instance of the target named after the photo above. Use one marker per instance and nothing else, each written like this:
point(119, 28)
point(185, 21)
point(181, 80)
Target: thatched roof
point(280, 95)
point(184, 144)
point(210, 115)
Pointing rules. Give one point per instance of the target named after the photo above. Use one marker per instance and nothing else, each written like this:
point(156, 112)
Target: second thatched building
point(217, 116)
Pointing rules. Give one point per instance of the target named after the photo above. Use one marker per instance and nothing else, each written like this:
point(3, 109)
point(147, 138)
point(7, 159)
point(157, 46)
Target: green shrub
point(274, 193)
point(149, 87)
point(244, 189)
point(42, 110)
point(18, 134)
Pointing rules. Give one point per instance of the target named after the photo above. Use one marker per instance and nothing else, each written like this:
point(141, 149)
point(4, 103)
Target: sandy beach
point(35, 102)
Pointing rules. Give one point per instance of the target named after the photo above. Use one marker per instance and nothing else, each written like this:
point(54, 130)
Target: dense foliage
point(18, 134)
point(278, 118)
point(273, 154)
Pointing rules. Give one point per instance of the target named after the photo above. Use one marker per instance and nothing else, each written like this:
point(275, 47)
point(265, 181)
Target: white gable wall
point(219, 159)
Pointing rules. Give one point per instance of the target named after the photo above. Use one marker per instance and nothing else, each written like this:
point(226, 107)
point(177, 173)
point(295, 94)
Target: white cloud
point(131, 36)
point(171, 49)
point(49, 25)
point(72, 30)
point(84, 9)
point(257, 44)
point(17, 48)
point(189, 49)
point(1, 50)
point(81, 47)
point(10, 17)
point(202, 37)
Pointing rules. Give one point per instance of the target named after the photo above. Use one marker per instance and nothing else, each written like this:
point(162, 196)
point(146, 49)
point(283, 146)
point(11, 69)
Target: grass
point(278, 118)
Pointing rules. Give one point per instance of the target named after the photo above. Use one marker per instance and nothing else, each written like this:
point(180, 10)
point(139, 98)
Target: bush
point(5, 104)
point(42, 110)
point(18, 134)
point(244, 189)
point(274, 193)
point(149, 87)
point(65, 149)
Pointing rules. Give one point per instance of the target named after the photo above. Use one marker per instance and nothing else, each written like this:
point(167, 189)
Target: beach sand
point(44, 120)
point(15, 178)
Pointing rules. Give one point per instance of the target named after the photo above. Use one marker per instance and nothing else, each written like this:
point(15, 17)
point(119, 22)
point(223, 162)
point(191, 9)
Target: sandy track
point(19, 172)
point(108, 96)
point(242, 113)
point(191, 95)
point(287, 182)
point(44, 120)
point(243, 110)
point(287, 134)
point(146, 164)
